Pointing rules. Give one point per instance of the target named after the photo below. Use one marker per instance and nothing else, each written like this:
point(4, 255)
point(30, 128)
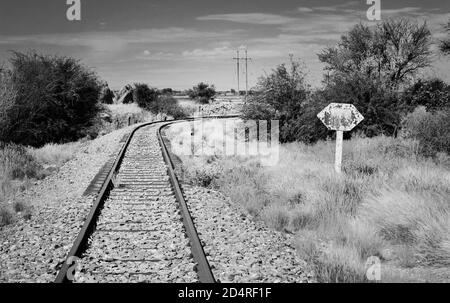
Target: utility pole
point(237, 60)
point(246, 58)
point(246, 73)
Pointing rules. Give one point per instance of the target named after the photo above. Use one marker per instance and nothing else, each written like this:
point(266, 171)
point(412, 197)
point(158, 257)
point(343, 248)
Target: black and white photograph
point(224, 148)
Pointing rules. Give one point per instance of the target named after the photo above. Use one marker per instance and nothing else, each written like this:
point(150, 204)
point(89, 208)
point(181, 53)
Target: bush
point(431, 129)
point(280, 96)
point(433, 94)
point(167, 91)
point(55, 99)
point(203, 92)
point(107, 96)
point(16, 163)
point(54, 154)
point(144, 96)
point(169, 106)
point(203, 100)
point(379, 106)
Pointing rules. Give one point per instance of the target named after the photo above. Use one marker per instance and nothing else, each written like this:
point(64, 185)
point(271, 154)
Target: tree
point(445, 44)
point(203, 92)
point(369, 67)
point(390, 53)
point(144, 96)
point(55, 100)
point(167, 91)
point(107, 95)
point(282, 96)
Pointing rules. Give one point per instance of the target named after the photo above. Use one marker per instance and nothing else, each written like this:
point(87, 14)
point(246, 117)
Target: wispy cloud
point(303, 9)
point(113, 41)
point(249, 18)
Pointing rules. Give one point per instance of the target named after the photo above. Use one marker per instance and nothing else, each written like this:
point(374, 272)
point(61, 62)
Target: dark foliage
point(144, 96)
point(169, 106)
point(167, 91)
point(203, 92)
point(55, 100)
point(379, 107)
point(445, 44)
point(284, 96)
point(107, 96)
point(370, 65)
point(434, 94)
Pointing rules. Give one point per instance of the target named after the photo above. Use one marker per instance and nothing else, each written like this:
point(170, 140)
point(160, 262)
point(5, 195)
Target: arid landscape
point(114, 174)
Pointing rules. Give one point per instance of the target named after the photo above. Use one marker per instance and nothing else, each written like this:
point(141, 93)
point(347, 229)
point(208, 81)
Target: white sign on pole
point(340, 117)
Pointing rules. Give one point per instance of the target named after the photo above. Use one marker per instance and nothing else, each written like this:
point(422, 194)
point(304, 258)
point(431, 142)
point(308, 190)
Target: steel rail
point(89, 225)
point(203, 268)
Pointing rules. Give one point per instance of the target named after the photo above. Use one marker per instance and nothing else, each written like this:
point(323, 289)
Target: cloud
point(201, 53)
point(403, 10)
point(305, 9)
point(249, 18)
point(147, 52)
point(114, 41)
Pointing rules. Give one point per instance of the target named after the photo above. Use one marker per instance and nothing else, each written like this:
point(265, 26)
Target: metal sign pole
point(338, 157)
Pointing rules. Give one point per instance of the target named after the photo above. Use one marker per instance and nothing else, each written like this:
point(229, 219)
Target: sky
point(168, 43)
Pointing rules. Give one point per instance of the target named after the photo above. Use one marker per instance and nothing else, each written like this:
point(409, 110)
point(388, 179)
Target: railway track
point(139, 228)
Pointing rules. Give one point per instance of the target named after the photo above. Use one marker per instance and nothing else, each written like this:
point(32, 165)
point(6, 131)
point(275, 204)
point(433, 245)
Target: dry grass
point(389, 202)
point(20, 165)
point(124, 109)
point(54, 154)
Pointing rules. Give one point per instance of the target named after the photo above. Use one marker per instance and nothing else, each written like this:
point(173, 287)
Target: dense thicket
point(46, 99)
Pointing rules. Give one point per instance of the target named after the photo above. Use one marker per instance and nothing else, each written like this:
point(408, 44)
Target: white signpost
point(340, 117)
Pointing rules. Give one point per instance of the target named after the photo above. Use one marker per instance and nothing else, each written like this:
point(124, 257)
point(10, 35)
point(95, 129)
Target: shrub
point(283, 95)
point(203, 100)
point(144, 96)
point(107, 96)
point(169, 106)
point(431, 129)
point(167, 91)
point(433, 94)
point(203, 92)
point(16, 163)
point(379, 106)
point(54, 154)
point(55, 99)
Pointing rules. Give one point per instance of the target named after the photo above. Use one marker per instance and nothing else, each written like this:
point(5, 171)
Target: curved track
point(139, 228)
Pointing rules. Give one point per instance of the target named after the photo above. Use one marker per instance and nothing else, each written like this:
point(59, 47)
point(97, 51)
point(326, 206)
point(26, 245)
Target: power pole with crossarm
point(237, 60)
point(246, 59)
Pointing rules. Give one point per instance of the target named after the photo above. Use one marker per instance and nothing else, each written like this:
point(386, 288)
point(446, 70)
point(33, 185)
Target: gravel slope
point(32, 251)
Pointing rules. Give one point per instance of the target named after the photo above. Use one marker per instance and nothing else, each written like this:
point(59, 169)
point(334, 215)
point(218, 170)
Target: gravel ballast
point(238, 248)
point(140, 236)
point(33, 250)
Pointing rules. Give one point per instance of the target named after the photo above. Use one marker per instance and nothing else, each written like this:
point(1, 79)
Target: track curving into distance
point(139, 228)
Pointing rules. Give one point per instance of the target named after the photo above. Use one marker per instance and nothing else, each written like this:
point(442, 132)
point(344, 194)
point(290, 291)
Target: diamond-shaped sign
point(340, 116)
